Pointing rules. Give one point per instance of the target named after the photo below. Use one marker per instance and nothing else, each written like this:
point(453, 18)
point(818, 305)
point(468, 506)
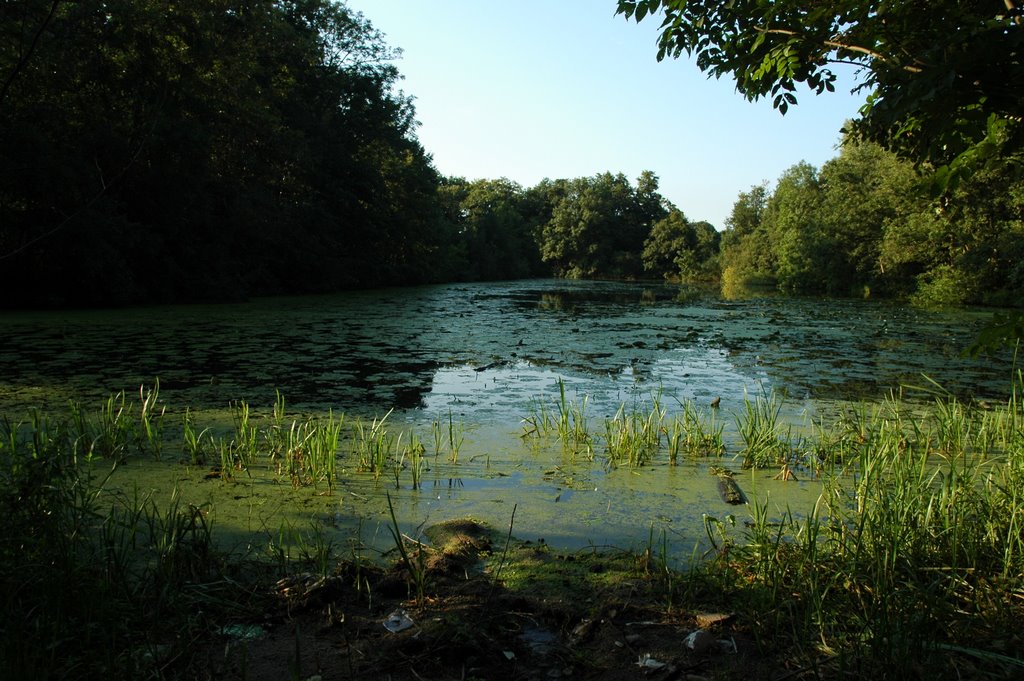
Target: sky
point(534, 89)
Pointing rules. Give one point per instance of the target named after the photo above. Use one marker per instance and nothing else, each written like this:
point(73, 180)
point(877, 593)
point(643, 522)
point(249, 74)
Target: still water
point(483, 356)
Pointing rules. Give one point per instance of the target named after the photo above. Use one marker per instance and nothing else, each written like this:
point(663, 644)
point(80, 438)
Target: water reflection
point(416, 349)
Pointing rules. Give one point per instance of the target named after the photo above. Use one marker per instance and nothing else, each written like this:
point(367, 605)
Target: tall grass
point(194, 443)
point(694, 433)
point(372, 444)
point(633, 438)
point(95, 584)
point(151, 420)
point(567, 421)
point(914, 549)
point(761, 429)
point(246, 437)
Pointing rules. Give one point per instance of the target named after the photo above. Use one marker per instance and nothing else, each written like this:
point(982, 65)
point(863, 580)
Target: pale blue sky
point(529, 89)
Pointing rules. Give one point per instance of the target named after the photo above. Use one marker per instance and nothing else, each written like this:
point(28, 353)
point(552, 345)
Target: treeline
point(866, 222)
point(219, 149)
point(591, 227)
point(154, 151)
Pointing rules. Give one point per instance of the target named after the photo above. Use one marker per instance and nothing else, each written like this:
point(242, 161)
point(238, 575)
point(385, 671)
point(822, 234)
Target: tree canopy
point(155, 151)
point(861, 224)
point(943, 80)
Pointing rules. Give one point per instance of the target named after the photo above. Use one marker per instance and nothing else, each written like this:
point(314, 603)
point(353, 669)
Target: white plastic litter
point(398, 621)
point(648, 662)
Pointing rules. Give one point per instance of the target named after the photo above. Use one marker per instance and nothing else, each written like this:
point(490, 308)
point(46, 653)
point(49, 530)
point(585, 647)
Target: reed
point(572, 421)
point(567, 421)
point(151, 421)
point(94, 578)
point(194, 443)
point(372, 445)
point(633, 438)
point(953, 426)
point(224, 451)
point(246, 438)
point(539, 422)
point(110, 434)
point(277, 434)
point(322, 444)
point(694, 433)
point(889, 568)
point(761, 431)
point(417, 569)
point(415, 452)
point(456, 437)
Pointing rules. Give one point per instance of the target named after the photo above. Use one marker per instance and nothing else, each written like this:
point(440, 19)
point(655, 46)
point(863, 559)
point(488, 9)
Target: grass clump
point(97, 585)
point(914, 569)
point(761, 430)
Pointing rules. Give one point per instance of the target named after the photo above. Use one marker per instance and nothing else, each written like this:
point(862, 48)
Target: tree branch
point(23, 60)
point(843, 46)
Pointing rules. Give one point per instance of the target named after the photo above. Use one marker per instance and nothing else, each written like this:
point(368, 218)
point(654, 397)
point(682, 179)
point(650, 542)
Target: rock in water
point(730, 491)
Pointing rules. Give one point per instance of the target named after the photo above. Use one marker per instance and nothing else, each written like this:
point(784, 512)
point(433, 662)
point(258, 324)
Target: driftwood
point(730, 490)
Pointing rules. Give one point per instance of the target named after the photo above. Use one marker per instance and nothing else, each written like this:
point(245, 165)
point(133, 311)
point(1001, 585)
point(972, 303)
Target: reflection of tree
point(552, 301)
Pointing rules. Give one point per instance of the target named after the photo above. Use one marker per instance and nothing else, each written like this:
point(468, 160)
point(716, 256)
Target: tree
point(804, 248)
point(679, 249)
point(206, 149)
point(865, 189)
point(494, 230)
point(598, 225)
point(943, 79)
point(746, 250)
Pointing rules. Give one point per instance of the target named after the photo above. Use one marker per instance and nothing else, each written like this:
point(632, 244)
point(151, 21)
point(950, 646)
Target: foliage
point(496, 229)
point(679, 249)
point(598, 225)
point(944, 79)
point(864, 223)
point(155, 152)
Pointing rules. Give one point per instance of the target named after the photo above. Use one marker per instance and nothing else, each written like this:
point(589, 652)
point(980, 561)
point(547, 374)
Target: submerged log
point(730, 490)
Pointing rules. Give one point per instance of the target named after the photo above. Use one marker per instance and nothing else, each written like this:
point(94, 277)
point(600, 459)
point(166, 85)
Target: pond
point(479, 358)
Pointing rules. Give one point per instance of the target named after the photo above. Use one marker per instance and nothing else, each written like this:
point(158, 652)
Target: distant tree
point(944, 79)
point(745, 248)
point(701, 262)
point(804, 248)
point(598, 226)
point(865, 189)
point(678, 249)
point(495, 230)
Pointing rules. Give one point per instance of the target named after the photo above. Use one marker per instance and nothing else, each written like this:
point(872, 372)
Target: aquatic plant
point(150, 420)
point(82, 566)
point(322, 443)
point(889, 568)
point(110, 434)
point(277, 434)
point(417, 570)
point(456, 437)
point(225, 453)
point(694, 433)
point(372, 445)
point(244, 445)
point(633, 437)
point(568, 421)
point(760, 428)
point(307, 451)
point(415, 452)
point(194, 443)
